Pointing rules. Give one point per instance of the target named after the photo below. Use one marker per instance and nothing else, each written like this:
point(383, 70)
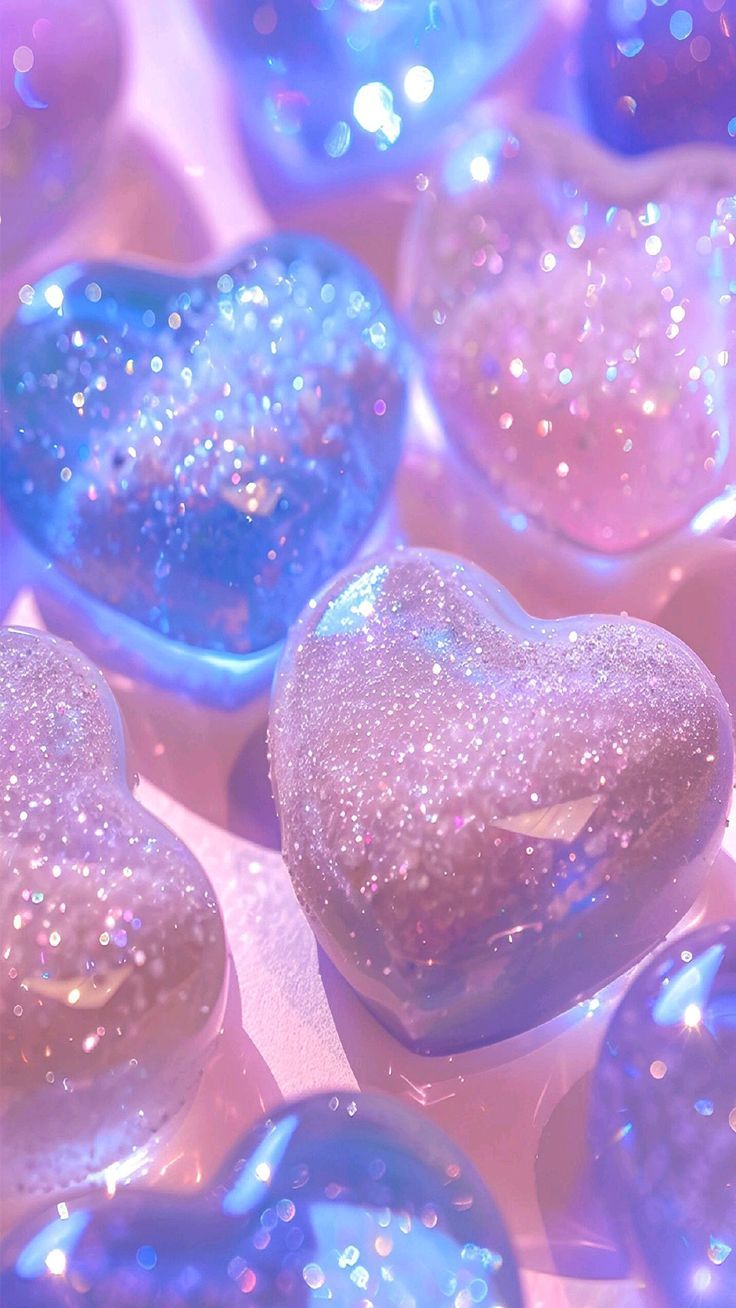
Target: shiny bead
point(351, 1200)
point(657, 74)
point(113, 971)
point(487, 816)
point(664, 1118)
point(60, 76)
point(343, 89)
point(202, 454)
point(578, 326)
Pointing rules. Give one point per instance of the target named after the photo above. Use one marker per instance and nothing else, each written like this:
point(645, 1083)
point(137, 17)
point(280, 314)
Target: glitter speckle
point(419, 84)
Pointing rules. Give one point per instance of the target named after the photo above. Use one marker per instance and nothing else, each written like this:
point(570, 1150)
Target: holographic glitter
point(486, 816)
point(113, 952)
point(577, 317)
point(352, 1200)
point(202, 455)
point(657, 73)
point(339, 89)
point(60, 75)
point(664, 1118)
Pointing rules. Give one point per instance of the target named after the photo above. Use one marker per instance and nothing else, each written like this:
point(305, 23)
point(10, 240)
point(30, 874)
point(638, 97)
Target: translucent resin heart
point(487, 816)
point(203, 454)
point(355, 1201)
point(578, 325)
point(664, 1118)
point(60, 76)
point(113, 954)
point(344, 88)
point(654, 74)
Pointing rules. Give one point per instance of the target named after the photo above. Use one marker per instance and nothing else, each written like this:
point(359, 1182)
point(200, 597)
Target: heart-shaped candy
point(664, 1118)
point(488, 816)
point(653, 74)
point(113, 952)
point(60, 75)
point(343, 88)
point(354, 1201)
point(578, 323)
point(204, 454)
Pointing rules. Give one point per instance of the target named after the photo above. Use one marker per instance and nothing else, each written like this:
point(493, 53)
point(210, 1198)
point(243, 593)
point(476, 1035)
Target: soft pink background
point(174, 186)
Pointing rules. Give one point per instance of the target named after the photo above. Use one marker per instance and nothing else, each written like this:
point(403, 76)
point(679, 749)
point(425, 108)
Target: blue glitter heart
point(203, 454)
point(664, 1117)
point(352, 1201)
point(336, 89)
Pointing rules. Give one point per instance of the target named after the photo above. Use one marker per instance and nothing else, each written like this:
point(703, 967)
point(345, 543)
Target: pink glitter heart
point(578, 323)
point(487, 817)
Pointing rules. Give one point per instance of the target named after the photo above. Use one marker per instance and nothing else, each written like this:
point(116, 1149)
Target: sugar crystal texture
point(655, 74)
point(577, 317)
point(333, 90)
point(664, 1118)
point(60, 75)
point(488, 816)
point(114, 965)
point(203, 453)
point(349, 1200)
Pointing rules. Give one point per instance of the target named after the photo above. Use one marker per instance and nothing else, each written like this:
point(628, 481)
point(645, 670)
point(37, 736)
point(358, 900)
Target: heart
point(654, 75)
point(352, 1200)
point(114, 972)
point(578, 326)
point(396, 70)
point(487, 816)
point(664, 1118)
point(59, 82)
point(203, 454)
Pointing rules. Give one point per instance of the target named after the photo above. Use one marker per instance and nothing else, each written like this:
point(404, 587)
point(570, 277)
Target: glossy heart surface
point(578, 324)
point(343, 89)
point(654, 74)
point(60, 75)
point(112, 984)
point(203, 453)
point(353, 1201)
point(488, 816)
point(664, 1117)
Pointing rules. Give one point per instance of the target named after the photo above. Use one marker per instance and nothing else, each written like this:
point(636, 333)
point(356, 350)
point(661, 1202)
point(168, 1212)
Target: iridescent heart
point(203, 453)
point(352, 1200)
point(578, 325)
point(653, 74)
point(488, 816)
point(113, 953)
point(664, 1118)
point(345, 88)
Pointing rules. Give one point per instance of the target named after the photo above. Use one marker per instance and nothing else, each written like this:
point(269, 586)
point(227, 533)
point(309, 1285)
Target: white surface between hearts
point(284, 1006)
